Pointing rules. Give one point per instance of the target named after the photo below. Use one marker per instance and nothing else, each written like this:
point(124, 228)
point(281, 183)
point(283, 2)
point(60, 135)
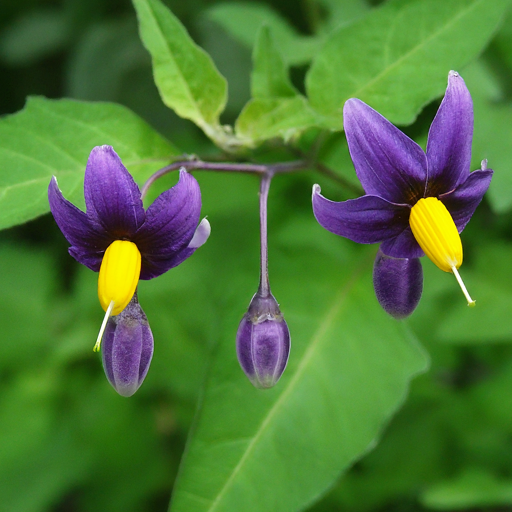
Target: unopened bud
point(398, 284)
point(127, 348)
point(263, 342)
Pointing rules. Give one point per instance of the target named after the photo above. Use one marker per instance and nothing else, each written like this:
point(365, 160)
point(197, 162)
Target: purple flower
point(263, 342)
point(415, 203)
point(120, 239)
point(127, 348)
point(398, 284)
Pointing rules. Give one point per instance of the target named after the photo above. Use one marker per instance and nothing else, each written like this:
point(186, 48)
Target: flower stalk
point(263, 337)
point(264, 287)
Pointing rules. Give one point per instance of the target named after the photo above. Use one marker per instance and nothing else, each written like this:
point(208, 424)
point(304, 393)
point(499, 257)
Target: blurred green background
point(68, 442)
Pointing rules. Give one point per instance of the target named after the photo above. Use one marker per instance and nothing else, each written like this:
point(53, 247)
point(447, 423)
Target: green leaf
point(341, 13)
point(474, 488)
point(263, 119)
point(503, 41)
point(397, 58)
point(348, 372)
point(489, 282)
point(54, 138)
point(269, 78)
point(492, 134)
point(104, 59)
point(276, 110)
point(243, 20)
point(33, 36)
point(185, 75)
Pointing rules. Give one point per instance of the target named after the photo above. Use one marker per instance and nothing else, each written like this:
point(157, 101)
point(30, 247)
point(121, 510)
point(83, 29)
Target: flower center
point(119, 275)
point(436, 233)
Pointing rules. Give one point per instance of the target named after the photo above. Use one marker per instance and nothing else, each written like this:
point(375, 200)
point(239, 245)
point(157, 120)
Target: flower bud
point(398, 284)
point(127, 348)
point(263, 342)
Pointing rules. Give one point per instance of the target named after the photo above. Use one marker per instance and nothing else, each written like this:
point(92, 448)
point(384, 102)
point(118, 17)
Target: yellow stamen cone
point(119, 275)
point(436, 233)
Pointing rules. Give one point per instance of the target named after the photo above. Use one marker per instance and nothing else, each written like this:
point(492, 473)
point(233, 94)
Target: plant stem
point(191, 165)
point(264, 287)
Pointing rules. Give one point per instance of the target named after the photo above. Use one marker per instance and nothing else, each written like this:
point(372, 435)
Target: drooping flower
point(127, 348)
point(416, 203)
point(398, 284)
point(123, 242)
point(263, 342)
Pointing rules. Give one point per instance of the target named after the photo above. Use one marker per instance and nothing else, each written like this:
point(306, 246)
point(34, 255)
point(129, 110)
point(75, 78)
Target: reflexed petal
point(462, 202)
point(127, 349)
point(449, 139)
point(398, 284)
point(152, 266)
point(171, 222)
point(74, 224)
point(365, 220)
point(111, 195)
point(388, 163)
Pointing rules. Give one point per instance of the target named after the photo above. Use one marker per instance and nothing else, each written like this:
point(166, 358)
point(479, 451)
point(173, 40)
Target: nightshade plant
point(352, 367)
point(124, 243)
point(415, 203)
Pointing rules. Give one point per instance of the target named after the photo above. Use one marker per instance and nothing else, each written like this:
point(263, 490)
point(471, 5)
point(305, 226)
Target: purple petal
point(263, 342)
point(463, 201)
point(171, 222)
point(88, 258)
point(404, 245)
point(365, 220)
point(86, 242)
point(127, 349)
point(111, 195)
point(388, 163)
point(398, 284)
point(449, 139)
point(153, 266)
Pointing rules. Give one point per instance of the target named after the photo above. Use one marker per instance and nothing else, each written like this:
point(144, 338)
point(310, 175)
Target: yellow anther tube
point(436, 233)
point(119, 275)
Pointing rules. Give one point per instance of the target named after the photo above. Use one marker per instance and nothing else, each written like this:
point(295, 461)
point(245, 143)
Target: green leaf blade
point(243, 20)
point(54, 138)
point(279, 449)
point(263, 119)
point(185, 75)
point(397, 58)
point(269, 78)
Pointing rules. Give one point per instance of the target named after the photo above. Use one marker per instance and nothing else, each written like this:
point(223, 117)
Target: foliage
point(339, 431)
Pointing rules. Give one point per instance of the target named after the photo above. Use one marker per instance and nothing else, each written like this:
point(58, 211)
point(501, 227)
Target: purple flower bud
point(263, 342)
point(127, 348)
point(398, 284)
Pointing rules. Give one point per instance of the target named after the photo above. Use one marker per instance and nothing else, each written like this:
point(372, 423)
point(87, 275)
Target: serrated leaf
point(269, 78)
point(263, 119)
point(242, 20)
point(185, 75)
point(349, 370)
point(54, 138)
point(397, 58)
